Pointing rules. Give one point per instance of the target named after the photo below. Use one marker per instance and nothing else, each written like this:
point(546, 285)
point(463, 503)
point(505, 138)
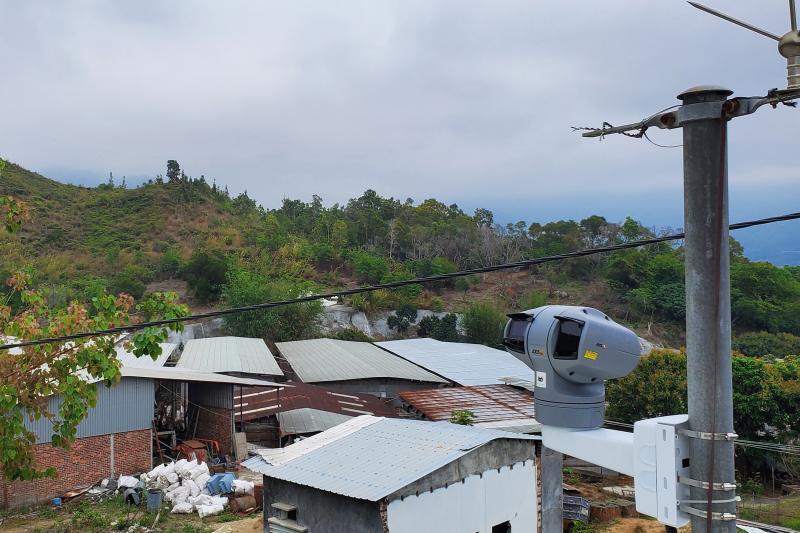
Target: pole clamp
point(704, 435)
point(725, 517)
point(705, 484)
point(727, 500)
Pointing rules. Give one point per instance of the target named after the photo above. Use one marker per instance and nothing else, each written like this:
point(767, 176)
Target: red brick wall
point(216, 423)
point(87, 462)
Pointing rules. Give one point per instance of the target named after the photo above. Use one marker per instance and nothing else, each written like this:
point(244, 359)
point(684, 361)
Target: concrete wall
point(475, 504)
point(323, 512)
point(87, 462)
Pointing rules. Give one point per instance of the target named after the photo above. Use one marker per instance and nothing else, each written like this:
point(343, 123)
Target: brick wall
point(86, 462)
point(216, 423)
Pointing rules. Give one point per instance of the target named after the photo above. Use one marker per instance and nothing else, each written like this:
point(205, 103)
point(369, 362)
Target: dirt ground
point(248, 525)
point(640, 525)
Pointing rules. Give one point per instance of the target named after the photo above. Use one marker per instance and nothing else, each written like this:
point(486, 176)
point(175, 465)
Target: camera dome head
point(573, 350)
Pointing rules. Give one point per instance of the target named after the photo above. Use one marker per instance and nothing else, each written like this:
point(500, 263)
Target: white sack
point(199, 470)
point(127, 481)
point(194, 490)
point(208, 510)
point(242, 486)
point(172, 478)
point(202, 481)
point(182, 508)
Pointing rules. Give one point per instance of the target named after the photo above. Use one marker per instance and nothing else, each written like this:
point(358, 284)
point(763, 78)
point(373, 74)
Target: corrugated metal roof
point(257, 402)
point(129, 359)
point(496, 406)
point(466, 364)
point(229, 354)
point(319, 360)
point(305, 420)
point(179, 374)
point(370, 458)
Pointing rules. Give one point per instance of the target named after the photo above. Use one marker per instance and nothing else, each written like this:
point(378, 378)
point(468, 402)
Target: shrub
point(402, 319)
point(484, 324)
point(463, 417)
point(441, 329)
point(351, 334)
point(368, 268)
point(437, 304)
point(290, 322)
point(758, 344)
point(205, 274)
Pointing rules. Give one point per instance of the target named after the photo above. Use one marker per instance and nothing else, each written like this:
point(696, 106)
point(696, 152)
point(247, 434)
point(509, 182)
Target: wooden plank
point(240, 446)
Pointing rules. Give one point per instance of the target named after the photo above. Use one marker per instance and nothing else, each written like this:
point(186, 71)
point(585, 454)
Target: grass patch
point(784, 512)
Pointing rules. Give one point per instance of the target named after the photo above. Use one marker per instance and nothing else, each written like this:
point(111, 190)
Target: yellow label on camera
point(590, 355)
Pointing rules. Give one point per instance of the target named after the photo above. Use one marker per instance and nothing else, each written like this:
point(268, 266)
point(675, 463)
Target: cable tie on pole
point(726, 517)
point(720, 486)
point(704, 435)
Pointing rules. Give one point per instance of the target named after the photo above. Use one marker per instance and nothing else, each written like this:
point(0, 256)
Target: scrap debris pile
point(190, 486)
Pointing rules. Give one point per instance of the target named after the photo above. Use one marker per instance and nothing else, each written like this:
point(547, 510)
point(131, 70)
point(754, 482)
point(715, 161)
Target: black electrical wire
point(392, 285)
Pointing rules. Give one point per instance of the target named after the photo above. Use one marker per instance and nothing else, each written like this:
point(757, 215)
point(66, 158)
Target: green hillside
point(184, 233)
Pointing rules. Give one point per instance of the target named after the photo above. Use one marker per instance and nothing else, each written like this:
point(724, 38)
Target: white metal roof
point(319, 360)
point(369, 457)
point(308, 420)
point(180, 374)
point(229, 354)
point(466, 364)
point(129, 359)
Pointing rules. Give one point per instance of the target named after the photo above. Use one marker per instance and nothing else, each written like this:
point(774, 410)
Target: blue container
point(153, 500)
point(56, 501)
point(220, 483)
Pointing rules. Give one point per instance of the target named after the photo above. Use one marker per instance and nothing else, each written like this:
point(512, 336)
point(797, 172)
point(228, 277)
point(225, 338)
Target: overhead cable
point(390, 285)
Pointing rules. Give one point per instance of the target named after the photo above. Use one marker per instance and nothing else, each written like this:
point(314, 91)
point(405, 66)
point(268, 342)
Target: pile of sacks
point(185, 484)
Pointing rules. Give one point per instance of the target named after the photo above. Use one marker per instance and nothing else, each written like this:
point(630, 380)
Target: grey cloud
point(469, 102)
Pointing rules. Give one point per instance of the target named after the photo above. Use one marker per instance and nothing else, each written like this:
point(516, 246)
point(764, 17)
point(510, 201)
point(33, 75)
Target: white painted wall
point(473, 506)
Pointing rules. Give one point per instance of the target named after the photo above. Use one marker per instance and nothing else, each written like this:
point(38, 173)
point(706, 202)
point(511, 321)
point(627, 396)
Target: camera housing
point(573, 350)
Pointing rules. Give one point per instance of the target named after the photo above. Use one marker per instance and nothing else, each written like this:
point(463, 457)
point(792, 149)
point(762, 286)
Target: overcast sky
point(467, 102)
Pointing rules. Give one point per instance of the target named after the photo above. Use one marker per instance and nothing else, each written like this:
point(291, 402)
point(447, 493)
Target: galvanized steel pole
point(708, 314)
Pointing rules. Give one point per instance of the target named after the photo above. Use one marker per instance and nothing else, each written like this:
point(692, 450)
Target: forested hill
point(79, 240)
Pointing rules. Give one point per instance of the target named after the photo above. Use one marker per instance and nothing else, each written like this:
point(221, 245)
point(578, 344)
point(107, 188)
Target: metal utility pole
point(704, 116)
point(708, 311)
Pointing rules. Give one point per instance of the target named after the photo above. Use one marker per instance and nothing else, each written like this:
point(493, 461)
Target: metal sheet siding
point(319, 360)
point(466, 364)
point(305, 420)
point(127, 406)
point(212, 394)
point(229, 354)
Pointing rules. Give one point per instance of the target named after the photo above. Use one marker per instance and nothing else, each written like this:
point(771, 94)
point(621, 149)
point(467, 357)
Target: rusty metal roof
point(496, 406)
point(258, 402)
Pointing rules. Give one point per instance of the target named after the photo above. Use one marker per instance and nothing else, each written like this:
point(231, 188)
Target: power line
point(392, 285)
